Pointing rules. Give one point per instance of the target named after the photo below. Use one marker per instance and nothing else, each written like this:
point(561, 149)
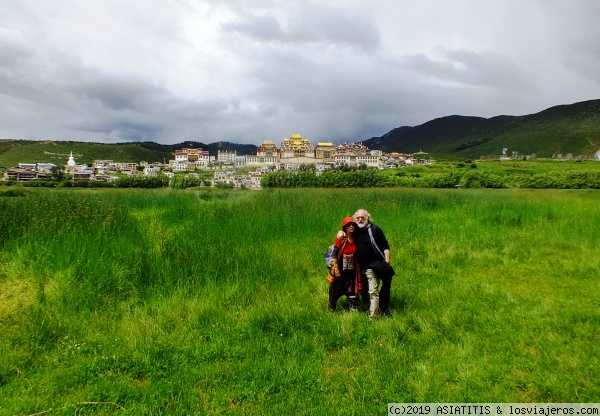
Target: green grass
point(502, 167)
point(166, 302)
point(496, 174)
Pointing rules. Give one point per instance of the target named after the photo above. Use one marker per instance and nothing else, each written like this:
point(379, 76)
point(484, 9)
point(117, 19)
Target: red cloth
point(349, 268)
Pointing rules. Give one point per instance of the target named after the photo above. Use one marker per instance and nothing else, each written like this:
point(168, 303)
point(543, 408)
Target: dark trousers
point(384, 294)
point(343, 286)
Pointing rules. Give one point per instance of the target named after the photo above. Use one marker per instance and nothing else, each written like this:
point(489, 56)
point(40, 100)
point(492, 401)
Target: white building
point(226, 156)
point(72, 166)
point(193, 158)
point(240, 161)
point(257, 161)
point(150, 170)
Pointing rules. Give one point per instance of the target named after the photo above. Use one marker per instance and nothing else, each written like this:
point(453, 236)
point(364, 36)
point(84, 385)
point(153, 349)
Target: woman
point(345, 277)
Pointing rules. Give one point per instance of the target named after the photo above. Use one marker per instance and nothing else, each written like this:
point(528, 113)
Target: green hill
point(573, 128)
point(562, 129)
point(13, 152)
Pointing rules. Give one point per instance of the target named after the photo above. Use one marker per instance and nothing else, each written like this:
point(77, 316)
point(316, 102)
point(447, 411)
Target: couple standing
point(361, 259)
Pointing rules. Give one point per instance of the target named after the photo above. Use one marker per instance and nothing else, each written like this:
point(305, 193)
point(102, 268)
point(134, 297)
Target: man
point(369, 251)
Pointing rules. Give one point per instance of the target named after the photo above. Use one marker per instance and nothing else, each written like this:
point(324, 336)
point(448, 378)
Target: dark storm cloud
point(245, 71)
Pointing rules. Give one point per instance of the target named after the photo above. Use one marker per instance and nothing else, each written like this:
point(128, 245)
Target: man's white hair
point(369, 219)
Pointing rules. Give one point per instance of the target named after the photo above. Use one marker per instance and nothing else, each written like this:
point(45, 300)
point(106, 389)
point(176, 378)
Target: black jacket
point(366, 253)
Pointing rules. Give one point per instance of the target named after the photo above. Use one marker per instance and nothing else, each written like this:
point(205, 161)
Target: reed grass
point(167, 302)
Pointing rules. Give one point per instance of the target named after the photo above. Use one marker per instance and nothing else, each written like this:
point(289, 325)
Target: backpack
point(329, 256)
point(329, 253)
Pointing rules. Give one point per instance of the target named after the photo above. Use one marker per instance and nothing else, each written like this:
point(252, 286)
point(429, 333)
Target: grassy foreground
point(166, 302)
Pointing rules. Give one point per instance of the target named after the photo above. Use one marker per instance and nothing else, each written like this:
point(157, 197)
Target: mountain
point(13, 152)
point(573, 128)
point(213, 148)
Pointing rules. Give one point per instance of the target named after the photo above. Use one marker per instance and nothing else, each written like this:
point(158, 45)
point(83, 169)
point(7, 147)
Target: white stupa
point(71, 162)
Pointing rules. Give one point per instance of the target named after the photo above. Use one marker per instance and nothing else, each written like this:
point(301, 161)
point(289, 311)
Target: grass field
point(504, 167)
point(186, 302)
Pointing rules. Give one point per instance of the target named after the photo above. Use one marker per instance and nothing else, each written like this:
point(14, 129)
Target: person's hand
point(341, 234)
point(336, 270)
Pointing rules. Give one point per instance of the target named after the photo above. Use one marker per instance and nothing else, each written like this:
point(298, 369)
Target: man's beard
point(363, 225)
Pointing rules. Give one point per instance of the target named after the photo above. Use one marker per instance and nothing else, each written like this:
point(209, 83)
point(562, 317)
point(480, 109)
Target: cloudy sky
point(244, 71)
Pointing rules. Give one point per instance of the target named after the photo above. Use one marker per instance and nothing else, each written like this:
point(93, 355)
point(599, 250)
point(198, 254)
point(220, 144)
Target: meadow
point(132, 301)
point(510, 174)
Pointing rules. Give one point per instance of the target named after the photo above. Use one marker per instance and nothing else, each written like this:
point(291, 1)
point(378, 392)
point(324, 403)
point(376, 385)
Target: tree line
point(342, 178)
point(453, 179)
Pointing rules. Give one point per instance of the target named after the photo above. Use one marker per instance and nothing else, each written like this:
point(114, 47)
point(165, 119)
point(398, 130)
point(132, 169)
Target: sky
point(242, 71)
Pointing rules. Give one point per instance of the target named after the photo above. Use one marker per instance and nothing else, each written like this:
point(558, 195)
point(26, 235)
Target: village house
point(224, 176)
point(103, 177)
point(24, 172)
point(356, 154)
point(103, 165)
point(192, 159)
point(226, 156)
point(253, 180)
point(83, 175)
point(295, 152)
point(254, 161)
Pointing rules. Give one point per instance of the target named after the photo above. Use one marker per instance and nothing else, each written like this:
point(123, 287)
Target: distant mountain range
point(562, 129)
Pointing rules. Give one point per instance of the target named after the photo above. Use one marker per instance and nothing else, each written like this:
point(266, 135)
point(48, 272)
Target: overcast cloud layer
point(244, 71)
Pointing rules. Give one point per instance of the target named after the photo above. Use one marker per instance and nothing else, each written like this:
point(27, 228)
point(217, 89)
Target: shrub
point(159, 181)
point(40, 183)
point(184, 181)
point(91, 184)
point(481, 180)
point(559, 180)
point(444, 180)
point(13, 192)
point(222, 185)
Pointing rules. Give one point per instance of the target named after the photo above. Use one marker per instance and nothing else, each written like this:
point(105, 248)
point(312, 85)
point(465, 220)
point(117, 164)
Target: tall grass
point(166, 302)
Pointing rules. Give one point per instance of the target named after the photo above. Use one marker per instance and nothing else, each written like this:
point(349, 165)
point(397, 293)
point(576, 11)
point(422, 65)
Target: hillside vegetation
point(482, 174)
point(562, 129)
point(13, 152)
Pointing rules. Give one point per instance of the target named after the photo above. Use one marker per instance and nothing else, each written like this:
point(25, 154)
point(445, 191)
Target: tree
point(58, 172)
